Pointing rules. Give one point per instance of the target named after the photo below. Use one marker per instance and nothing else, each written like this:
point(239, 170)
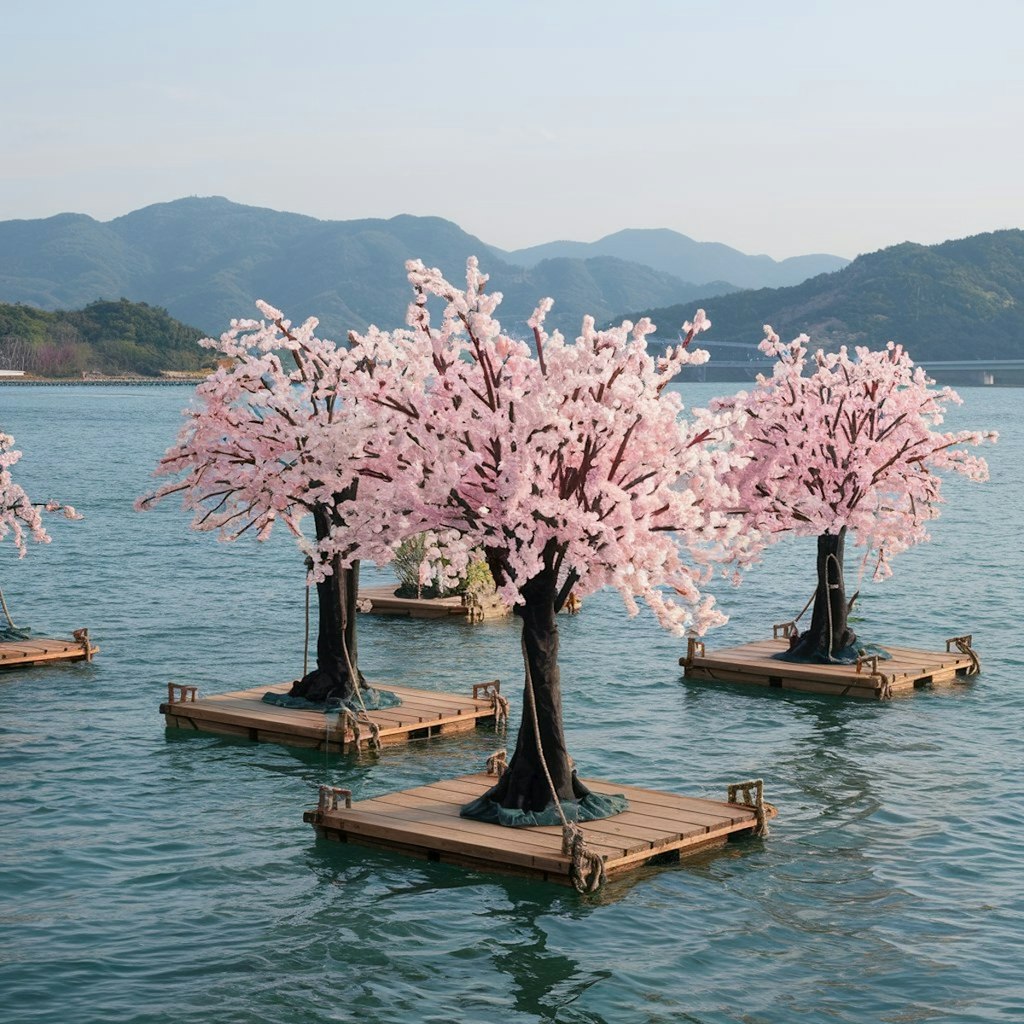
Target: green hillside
point(963, 299)
point(109, 338)
point(207, 260)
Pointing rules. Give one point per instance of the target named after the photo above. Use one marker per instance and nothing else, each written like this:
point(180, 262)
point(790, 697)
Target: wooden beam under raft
point(421, 714)
point(424, 822)
point(870, 678)
point(45, 650)
point(382, 601)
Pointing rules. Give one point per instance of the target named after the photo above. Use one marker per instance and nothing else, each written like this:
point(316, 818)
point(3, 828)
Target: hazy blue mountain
point(673, 253)
point(962, 299)
point(207, 259)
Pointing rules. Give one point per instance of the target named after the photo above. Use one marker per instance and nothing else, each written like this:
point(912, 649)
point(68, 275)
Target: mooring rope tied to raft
point(497, 763)
point(752, 792)
point(305, 645)
point(586, 869)
point(787, 629)
point(501, 711)
point(82, 636)
point(964, 644)
point(7, 614)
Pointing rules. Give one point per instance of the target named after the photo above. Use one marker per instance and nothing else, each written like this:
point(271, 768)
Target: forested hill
point(110, 338)
point(963, 299)
point(207, 260)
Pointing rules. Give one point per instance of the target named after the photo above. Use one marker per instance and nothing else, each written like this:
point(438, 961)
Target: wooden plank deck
point(41, 650)
point(422, 713)
point(382, 601)
point(424, 822)
point(752, 664)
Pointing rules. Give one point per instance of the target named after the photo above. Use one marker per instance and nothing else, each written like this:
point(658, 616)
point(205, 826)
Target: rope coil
point(587, 871)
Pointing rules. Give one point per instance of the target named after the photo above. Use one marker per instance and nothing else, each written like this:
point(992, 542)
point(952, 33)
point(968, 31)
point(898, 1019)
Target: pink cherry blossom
point(20, 517)
point(573, 456)
point(829, 441)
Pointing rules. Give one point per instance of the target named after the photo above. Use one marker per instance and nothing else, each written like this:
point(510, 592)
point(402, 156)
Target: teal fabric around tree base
point(591, 808)
point(373, 700)
point(846, 656)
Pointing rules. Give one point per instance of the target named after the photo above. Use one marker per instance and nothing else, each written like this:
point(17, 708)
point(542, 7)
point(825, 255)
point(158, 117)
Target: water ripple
point(154, 876)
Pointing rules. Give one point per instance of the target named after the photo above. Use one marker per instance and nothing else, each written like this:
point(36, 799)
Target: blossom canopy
point(831, 442)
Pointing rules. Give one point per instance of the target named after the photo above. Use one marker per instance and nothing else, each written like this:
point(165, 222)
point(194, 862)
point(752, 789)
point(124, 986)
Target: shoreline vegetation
point(106, 339)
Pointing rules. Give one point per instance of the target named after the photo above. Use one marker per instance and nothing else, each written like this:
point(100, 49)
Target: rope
point(7, 614)
point(82, 636)
point(356, 721)
point(756, 801)
point(586, 869)
point(305, 646)
point(497, 763)
point(828, 604)
point(349, 717)
point(810, 601)
point(963, 645)
point(501, 710)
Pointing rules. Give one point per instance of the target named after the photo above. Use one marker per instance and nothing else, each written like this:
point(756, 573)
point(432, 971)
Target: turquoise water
point(148, 876)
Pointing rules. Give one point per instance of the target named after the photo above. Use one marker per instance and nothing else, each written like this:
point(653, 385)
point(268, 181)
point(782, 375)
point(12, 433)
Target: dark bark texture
point(828, 632)
point(336, 647)
point(524, 785)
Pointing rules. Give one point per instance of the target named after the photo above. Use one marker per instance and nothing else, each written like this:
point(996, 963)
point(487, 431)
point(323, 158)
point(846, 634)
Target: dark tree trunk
point(828, 632)
point(336, 651)
point(524, 785)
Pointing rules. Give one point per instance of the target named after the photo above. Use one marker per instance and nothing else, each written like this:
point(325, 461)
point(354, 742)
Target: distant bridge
point(961, 371)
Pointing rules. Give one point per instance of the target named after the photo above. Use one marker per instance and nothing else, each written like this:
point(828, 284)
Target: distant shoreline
point(71, 382)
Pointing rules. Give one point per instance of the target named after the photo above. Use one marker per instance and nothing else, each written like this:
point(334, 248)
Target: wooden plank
point(784, 683)
point(753, 664)
point(445, 838)
point(424, 821)
point(422, 713)
point(636, 826)
point(384, 602)
point(42, 650)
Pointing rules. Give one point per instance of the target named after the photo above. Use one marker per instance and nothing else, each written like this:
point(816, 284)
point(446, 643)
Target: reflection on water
point(153, 875)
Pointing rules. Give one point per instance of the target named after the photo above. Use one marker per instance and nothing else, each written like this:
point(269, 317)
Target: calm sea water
point(148, 875)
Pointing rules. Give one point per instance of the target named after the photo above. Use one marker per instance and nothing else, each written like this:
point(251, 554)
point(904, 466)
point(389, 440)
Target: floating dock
point(422, 713)
point(44, 650)
point(382, 601)
point(424, 822)
point(871, 678)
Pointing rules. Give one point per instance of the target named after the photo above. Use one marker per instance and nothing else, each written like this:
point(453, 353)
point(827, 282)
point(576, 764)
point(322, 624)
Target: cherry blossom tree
point(831, 444)
point(571, 468)
point(265, 442)
point(20, 517)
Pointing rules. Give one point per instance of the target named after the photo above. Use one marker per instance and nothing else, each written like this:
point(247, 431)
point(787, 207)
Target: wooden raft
point(871, 678)
point(40, 650)
point(424, 822)
point(422, 713)
point(382, 601)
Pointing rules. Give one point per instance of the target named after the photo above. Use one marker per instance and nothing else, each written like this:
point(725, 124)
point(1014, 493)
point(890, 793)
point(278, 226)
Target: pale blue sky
point(782, 128)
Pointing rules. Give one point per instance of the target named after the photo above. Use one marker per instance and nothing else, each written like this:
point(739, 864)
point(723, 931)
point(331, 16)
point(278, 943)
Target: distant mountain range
point(207, 259)
point(962, 299)
point(676, 254)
